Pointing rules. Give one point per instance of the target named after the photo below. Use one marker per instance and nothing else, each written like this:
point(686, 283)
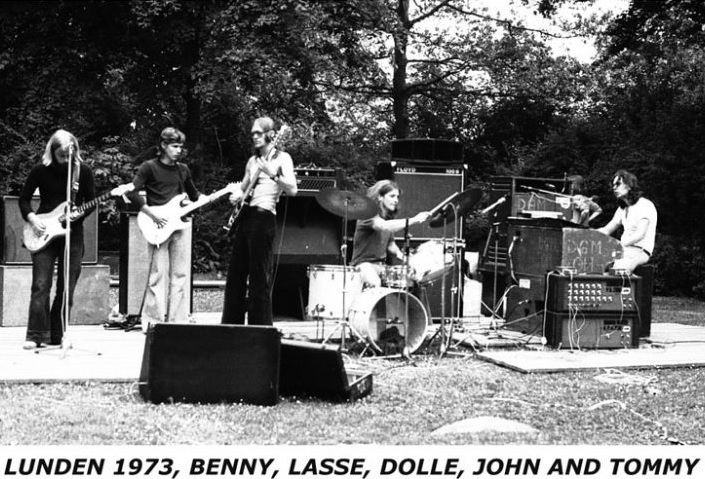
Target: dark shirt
point(51, 181)
point(162, 183)
point(370, 244)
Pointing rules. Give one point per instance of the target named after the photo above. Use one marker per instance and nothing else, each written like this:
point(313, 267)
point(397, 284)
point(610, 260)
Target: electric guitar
point(55, 220)
point(174, 213)
point(237, 209)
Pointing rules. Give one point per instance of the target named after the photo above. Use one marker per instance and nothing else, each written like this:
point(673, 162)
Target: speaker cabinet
point(427, 149)
point(13, 252)
point(135, 264)
point(646, 272)
point(317, 370)
point(210, 364)
point(422, 188)
point(306, 233)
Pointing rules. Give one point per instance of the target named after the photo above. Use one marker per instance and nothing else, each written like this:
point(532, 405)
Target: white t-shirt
point(630, 216)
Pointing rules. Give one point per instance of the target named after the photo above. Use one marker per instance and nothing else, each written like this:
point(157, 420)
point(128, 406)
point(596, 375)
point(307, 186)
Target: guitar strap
point(274, 154)
point(182, 187)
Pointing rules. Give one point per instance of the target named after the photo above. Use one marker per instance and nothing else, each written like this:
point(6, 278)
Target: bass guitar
point(231, 226)
point(174, 213)
point(55, 220)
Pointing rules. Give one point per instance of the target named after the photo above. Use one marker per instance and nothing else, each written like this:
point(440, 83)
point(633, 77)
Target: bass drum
point(380, 316)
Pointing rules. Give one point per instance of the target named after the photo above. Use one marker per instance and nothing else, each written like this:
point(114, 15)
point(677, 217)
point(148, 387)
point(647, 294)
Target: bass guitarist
point(45, 325)
point(163, 178)
point(268, 174)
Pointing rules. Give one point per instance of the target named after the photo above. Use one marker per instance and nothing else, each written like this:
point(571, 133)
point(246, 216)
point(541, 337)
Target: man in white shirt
point(637, 216)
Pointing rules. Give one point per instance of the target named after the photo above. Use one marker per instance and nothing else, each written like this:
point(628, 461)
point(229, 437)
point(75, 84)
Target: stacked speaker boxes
point(306, 235)
point(428, 171)
point(91, 299)
point(592, 311)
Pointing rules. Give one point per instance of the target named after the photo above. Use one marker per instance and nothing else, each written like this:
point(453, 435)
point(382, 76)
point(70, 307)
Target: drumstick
point(443, 204)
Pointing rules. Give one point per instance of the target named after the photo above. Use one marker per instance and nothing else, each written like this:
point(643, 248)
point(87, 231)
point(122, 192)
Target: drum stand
point(343, 324)
point(447, 336)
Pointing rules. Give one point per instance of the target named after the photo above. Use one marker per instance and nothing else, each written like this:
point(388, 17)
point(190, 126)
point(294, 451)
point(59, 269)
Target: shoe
point(31, 345)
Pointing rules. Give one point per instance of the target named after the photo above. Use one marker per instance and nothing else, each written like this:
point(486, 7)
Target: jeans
point(165, 295)
point(248, 287)
point(47, 325)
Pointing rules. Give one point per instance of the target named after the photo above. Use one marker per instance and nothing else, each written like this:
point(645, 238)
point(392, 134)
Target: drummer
point(374, 241)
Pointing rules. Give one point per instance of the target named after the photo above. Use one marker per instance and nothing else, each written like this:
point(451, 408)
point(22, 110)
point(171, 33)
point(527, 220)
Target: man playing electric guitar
point(163, 179)
point(45, 325)
point(268, 174)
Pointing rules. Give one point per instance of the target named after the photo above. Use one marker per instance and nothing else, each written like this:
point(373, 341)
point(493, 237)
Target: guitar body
point(54, 220)
point(172, 211)
point(174, 214)
point(234, 220)
point(54, 229)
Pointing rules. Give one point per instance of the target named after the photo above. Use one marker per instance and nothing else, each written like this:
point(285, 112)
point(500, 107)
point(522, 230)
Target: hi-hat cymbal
point(348, 204)
point(462, 202)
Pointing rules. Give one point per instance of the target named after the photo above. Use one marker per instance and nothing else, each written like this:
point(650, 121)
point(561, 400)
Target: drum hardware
point(446, 213)
point(349, 205)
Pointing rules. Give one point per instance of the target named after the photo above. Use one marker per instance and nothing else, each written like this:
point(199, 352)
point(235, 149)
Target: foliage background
point(351, 76)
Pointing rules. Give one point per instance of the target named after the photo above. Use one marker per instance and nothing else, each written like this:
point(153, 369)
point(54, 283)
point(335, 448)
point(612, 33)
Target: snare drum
point(325, 290)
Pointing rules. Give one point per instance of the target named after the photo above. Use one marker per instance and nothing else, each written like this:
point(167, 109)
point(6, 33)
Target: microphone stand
point(495, 233)
point(406, 353)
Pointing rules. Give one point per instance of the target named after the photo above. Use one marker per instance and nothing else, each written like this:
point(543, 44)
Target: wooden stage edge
point(97, 354)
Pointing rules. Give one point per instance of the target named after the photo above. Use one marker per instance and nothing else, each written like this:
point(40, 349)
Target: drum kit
point(386, 319)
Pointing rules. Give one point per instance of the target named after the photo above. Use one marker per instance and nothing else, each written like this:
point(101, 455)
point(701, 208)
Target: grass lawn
point(411, 399)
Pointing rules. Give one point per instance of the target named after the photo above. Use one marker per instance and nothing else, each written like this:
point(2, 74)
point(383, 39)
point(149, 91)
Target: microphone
point(494, 205)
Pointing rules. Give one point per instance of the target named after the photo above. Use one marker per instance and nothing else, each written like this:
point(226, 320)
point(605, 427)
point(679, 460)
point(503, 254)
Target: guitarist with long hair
point(164, 178)
point(268, 174)
point(50, 177)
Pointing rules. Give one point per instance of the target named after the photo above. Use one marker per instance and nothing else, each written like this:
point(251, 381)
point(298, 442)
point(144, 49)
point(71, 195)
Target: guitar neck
point(207, 199)
point(80, 210)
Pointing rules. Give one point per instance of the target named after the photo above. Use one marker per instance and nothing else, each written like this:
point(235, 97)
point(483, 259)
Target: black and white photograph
point(352, 238)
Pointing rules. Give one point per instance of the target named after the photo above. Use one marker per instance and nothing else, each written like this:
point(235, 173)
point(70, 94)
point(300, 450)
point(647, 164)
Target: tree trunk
point(400, 93)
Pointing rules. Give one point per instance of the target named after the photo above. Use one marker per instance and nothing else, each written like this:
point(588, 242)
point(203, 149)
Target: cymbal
point(348, 204)
point(463, 202)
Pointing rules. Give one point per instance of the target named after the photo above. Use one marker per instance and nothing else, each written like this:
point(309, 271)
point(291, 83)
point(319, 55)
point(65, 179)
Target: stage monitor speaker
point(427, 149)
point(317, 370)
point(422, 188)
point(306, 233)
point(134, 266)
point(13, 252)
point(210, 364)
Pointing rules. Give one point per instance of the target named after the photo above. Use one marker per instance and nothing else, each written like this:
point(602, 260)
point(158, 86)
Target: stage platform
point(670, 345)
point(114, 355)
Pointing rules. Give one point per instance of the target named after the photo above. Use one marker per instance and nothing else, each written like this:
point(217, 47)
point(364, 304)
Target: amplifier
point(579, 330)
point(588, 293)
point(312, 180)
point(424, 186)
